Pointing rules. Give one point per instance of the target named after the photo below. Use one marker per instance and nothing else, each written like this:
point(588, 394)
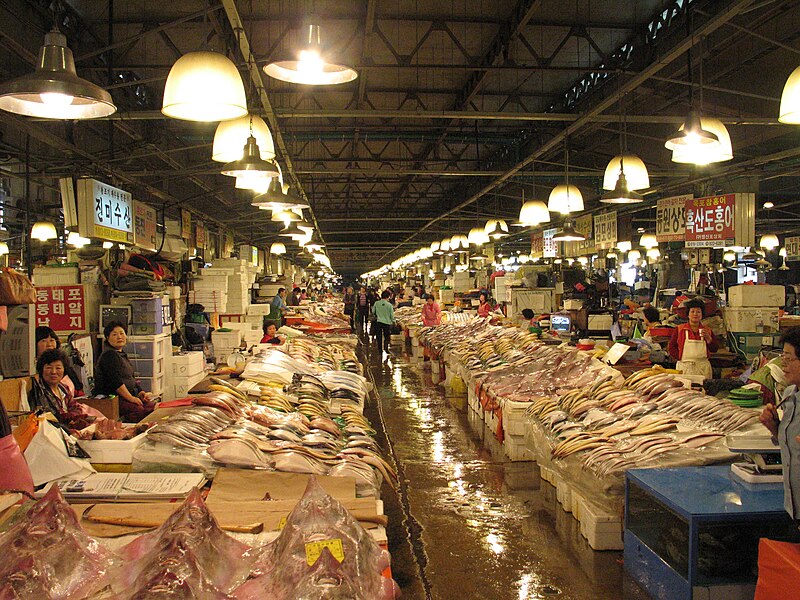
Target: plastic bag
point(15, 288)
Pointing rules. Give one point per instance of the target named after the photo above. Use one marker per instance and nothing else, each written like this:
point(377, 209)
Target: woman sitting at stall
point(271, 334)
point(431, 313)
point(49, 394)
point(484, 308)
point(692, 342)
point(47, 339)
point(114, 374)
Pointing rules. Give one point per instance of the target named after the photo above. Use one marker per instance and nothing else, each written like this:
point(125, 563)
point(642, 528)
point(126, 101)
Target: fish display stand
point(692, 533)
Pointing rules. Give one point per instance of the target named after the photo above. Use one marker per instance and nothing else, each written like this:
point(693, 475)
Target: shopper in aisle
point(692, 343)
point(278, 308)
point(350, 307)
point(786, 427)
point(294, 297)
point(303, 295)
point(384, 319)
point(114, 374)
point(431, 313)
point(49, 394)
point(47, 339)
point(652, 318)
point(484, 308)
point(363, 306)
point(271, 334)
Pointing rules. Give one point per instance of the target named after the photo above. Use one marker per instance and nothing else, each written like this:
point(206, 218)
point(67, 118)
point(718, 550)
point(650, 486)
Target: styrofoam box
point(547, 474)
point(210, 282)
point(603, 531)
point(43, 276)
point(755, 319)
point(516, 449)
point(148, 367)
point(258, 309)
point(187, 364)
point(112, 451)
point(756, 295)
point(564, 494)
point(154, 385)
point(182, 385)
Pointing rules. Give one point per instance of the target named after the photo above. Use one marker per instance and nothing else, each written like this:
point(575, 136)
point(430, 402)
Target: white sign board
point(550, 245)
point(104, 212)
point(605, 229)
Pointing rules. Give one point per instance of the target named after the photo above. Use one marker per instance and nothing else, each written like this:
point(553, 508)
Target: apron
point(694, 360)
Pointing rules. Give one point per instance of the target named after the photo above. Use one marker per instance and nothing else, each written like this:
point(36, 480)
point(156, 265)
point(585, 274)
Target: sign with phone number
point(605, 229)
point(710, 221)
point(671, 218)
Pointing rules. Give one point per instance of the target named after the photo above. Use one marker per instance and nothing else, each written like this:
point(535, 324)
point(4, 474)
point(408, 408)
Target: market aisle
point(480, 526)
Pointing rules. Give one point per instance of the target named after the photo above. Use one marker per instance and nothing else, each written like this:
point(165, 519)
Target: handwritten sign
point(144, 226)
point(710, 221)
point(792, 246)
point(605, 229)
point(671, 218)
point(61, 307)
point(104, 212)
point(550, 248)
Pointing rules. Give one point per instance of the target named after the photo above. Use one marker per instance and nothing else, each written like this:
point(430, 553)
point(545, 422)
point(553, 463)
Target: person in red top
point(431, 313)
point(692, 342)
point(271, 334)
point(484, 308)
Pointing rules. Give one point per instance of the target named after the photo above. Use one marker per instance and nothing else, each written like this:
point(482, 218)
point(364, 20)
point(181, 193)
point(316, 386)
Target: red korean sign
point(710, 221)
point(61, 307)
point(537, 244)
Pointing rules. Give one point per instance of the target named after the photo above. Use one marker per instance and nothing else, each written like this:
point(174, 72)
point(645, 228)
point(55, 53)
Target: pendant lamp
point(782, 253)
point(478, 236)
point(273, 198)
point(3, 248)
point(54, 90)
point(305, 226)
point(534, 212)
point(769, 241)
point(277, 248)
point(634, 255)
point(231, 136)
point(292, 231)
point(286, 216)
point(435, 248)
point(310, 68)
point(635, 172)
point(653, 253)
point(729, 256)
point(624, 246)
point(255, 182)
point(621, 194)
point(250, 164)
point(496, 228)
point(789, 112)
point(648, 241)
point(565, 199)
point(204, 86)
point(568, 233)
point(43, 231)
point(692, 134)
point(294, 199)
point(76, 240)
point(706, 154)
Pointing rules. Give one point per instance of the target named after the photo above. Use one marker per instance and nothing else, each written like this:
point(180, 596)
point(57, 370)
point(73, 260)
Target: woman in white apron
point(692, 342)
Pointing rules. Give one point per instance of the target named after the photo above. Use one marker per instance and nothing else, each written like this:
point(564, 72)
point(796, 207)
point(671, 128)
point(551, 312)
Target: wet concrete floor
point(466, 522)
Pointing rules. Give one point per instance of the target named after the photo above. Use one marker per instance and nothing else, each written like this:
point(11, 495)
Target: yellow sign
point(112, 235)
point(282, 523)
point(314, 549)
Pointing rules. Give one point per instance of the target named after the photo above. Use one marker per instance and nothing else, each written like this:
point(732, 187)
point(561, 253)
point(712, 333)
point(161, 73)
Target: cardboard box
point(756, 295)
point(755, 319)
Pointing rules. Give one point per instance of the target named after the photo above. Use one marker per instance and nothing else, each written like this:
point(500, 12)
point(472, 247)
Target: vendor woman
point(484, 308)
point(693, 342)
point(271, 334)
point(47, 339)
point(49, 394)
point(114, 374)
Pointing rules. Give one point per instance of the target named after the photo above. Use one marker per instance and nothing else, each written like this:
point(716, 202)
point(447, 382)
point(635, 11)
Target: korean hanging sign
point(711, 221)
point(671, 218)
point(537, 244)
point(104, 212)
point(792, 245)
point(61, 307)
point(550, 247)
point(605, 229)
point(144, 226)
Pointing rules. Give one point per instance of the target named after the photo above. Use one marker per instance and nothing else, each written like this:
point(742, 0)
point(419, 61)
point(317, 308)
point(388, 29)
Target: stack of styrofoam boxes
point(514, 443)
point(251, 333)
point(188, 369)
point(754, 308)
point(241, 276)
point(462, 282)
point(45, 276)
point(147, 316)
point(225, 342)
point(211, 290)
point(149, 355)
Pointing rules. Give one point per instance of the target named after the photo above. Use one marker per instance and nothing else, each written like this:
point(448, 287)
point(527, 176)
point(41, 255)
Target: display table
point(693, 533)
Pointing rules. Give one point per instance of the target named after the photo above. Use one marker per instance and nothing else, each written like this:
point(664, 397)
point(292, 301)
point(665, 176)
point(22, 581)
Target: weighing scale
point(764, 458)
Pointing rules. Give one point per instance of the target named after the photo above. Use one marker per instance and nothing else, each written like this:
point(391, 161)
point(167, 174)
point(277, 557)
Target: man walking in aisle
point(384, 319)
point(362, 307)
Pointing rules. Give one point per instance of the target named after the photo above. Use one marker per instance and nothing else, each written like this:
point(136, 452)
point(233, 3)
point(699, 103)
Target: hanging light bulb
point(569, 233)
point(496, 228)
point(565, 199)
point(108, 245)
point(75, 239)
point(231, 136)
point(648, 240)
point(789, 112)
point(251, 164)
point(768, 204)
point(478, 236)
point(621, 194)
point(3, 248)
point(43, 231)
point(256, 182)
point(706, 154)
point(534, 212)
point(769, 241)
point(635, 172)
point(729, 256)
point(54, 90)
point(692, 134)
point(204, 86)
point(634, 255)
point(277, 248)
point(310, 68)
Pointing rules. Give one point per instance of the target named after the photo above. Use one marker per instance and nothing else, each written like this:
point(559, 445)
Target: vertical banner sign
point(550, 246)
point(144, 226)
point(584, 225)
point(104, 212)
point(605, 229)
point(792, 245)
point(200, 235)
point(537, 244)
point(61, 307)
point(186, 226)
point(710, 221)
point(671, 218)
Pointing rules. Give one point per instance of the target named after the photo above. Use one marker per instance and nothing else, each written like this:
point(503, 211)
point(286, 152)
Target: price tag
point(314, 549)
point(671, 218)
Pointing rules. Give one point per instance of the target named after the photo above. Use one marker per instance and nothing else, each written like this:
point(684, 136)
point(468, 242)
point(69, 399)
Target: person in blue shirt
point(384, 319)
point(278, 307)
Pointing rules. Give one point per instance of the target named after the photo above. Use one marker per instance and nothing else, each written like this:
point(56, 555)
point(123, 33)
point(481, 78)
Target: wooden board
point(247, 484)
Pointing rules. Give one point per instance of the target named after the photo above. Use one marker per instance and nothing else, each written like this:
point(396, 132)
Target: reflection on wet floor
point(468, 523)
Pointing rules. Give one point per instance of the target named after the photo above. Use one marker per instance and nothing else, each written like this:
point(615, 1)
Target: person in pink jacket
point(431, 313)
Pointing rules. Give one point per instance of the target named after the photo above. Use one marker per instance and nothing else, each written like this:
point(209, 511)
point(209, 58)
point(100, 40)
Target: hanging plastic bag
point(26, 430)
point(15, 288)
point(48, 458)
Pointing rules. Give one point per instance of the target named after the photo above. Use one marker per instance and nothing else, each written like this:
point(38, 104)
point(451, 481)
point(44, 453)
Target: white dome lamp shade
point(648, 241)
point(565, 199)
point(43, 231)
point(635, 172)
point(496, 228)
point(534, 212)
point(435, 247)
point(621, 194)
point(444, 247)
point(634, 255)
point(624, 246)
point(3, 248)
point(789, 112)
point(204, 86)
point(463, 244)
point(255, 182)
point(54, 90)
point(705, 154)
point(277, 248)
point(692, 134)
point(231, 136)
point(310, 68)
point(478, 236)
point(769, 241)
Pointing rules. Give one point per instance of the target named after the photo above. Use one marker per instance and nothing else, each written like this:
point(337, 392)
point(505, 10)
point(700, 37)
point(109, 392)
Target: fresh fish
point(238, 452)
